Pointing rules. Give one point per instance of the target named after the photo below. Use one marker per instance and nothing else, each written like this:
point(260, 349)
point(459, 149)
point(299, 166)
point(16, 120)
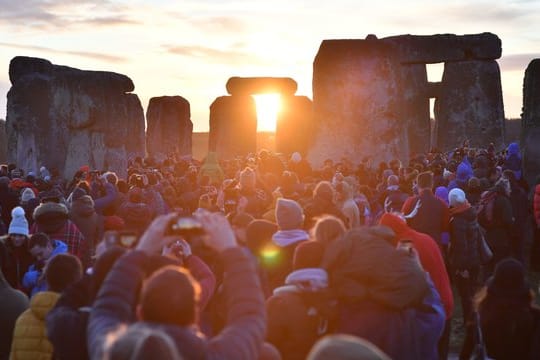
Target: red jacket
point(430, 257)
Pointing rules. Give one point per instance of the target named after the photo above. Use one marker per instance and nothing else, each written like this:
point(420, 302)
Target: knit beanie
point(289, 215)
point(456, 197)
point(247, 178)
point(19, 224)
point(27, 194)
point(78, 193)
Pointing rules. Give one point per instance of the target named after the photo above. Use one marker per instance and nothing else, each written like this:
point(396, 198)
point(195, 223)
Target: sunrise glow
point(268, 107)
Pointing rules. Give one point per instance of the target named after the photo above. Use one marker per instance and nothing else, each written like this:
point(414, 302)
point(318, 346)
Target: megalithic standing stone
point(530, 122)
point(169, 127)
point(416, 107)
point(233, 126)
point(3, 141)
point(470, 105)
point(357, 102)
point(294, 127)
point(63, 117)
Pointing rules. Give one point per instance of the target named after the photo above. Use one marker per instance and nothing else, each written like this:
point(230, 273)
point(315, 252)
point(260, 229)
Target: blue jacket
point(33, 279)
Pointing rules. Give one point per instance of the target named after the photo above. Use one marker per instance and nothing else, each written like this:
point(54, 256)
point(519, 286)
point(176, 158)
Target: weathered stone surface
point(169, 127)
point(294, 126)
point(416, 107)
point(261, 85)
point(357, 102)
point(233, 126)
point(3, 141)
point(446, 47)
point(530, 122)
point(470, 105)
point(63, 118)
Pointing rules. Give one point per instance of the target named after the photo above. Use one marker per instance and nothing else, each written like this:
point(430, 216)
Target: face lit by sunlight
point(268, 106)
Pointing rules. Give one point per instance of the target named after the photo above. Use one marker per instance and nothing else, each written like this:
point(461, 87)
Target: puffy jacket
point(464, 240)
point(29, 338)
point(33, 280)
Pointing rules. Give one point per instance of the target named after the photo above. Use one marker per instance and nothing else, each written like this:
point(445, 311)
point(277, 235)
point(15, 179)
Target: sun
point(268, 107)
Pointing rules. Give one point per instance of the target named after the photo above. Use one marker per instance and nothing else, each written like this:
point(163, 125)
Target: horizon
point(244, 38)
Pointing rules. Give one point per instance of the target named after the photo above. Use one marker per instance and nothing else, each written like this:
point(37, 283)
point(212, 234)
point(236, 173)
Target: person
point(14, 255)
point(345, 347)
point(290, 221)
point(211, 169)
point(322, 202)
point(432, 261)
point(301, 311)
point(84, 216)
point(136, 214)
point(52, 218)
point(509, 319)
point(432, 216)
point(348, 205)
point(327, 229)
point(173, 308)
point(395, 198)
point(29, 338)
point(518, 199)
point(43, 249)
point(14, 302)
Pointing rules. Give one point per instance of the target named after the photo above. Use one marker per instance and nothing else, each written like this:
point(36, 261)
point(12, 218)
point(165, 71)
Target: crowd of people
point(266, 257)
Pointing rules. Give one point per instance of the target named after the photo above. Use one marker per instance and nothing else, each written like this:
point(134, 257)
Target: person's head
point(111, 177)
point(26, 195)
point(18, 227)
point(345, 347)
point(61, 271)
point(324, 191)
point(509, 282)
point(247, 179)
point(327, 229)
point(425, 180)
point(456, 197)
point(140, 342)
point(259, 234)
point(289, 214)
point(40, 246)
point(392, 180)
point(308, 254)
point(169, 296)
point(239, 223)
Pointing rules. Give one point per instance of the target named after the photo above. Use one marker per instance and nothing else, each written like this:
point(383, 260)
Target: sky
point(191, 47)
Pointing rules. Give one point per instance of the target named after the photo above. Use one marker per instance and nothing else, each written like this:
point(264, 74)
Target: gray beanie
point(289, 215)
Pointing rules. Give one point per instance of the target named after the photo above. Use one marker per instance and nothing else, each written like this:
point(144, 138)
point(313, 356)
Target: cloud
point(213, 54)
point(43, 14)
point(86, 54)
point(517, 62)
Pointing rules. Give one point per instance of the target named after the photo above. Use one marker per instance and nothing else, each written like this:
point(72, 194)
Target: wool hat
point(345, 347)
point(247, 178)
point(289, 214)
point(78, 193)
point(456, 197)
point(27, 194)
point(19, 224)
point(296, 157)
point(308, 254)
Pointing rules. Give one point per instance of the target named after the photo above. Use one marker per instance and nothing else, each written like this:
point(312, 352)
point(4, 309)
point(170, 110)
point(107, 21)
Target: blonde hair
point(327, 229)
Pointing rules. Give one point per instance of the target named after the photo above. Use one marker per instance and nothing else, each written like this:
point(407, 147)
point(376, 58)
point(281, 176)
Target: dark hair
point(170, 296)
point(39, 239)
point(63, 270)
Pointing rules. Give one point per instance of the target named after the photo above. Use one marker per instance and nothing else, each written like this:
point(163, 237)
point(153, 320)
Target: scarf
point(460, 208)
point(285, 238)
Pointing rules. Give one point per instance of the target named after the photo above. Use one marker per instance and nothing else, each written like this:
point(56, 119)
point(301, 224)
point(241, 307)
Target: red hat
point(113, 223)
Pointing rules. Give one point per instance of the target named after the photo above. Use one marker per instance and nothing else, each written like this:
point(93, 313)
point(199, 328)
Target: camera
point(186, 227)
point(126, 239)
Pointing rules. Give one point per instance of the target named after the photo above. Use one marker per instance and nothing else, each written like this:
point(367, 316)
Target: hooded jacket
point(33, 279)
point(430, 257)
point(90, 224)
point(29, 338)
point(13, 302)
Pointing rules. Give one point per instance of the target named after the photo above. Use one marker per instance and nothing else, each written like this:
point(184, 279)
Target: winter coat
point(394, 200)
point(14, 302)
point(298, 315)
point(464, 240)
point(52, 219)
point(320, 206)
point(356, 271)
point(513, 160)
point(432, 217)
point(241, 338)
point(536, 205)
point(498, 235)
point(8, 200)
point(33, 279)
point(280, 265)
point(29, 208)
point(89, 223)
point(29, 338)
point(103, 203)
point(430, 257)
point(15, 261)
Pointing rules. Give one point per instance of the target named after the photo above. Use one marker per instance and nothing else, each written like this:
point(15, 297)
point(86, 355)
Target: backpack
point(484, 208)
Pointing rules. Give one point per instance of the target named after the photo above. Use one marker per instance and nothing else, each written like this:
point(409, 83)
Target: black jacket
point(464, 240)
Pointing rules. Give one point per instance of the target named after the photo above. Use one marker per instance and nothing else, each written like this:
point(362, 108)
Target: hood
point(42, 303)
point(285, 238)
point(464, 172)
point(83, 206)
point(50, 208)
point(394, 222)
point(442, 193)
point(513, 149)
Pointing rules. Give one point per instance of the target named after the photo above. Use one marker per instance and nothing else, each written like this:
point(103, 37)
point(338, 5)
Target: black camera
point(186, 227)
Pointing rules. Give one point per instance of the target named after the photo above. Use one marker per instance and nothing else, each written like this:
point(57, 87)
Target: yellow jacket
point(29, 338)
